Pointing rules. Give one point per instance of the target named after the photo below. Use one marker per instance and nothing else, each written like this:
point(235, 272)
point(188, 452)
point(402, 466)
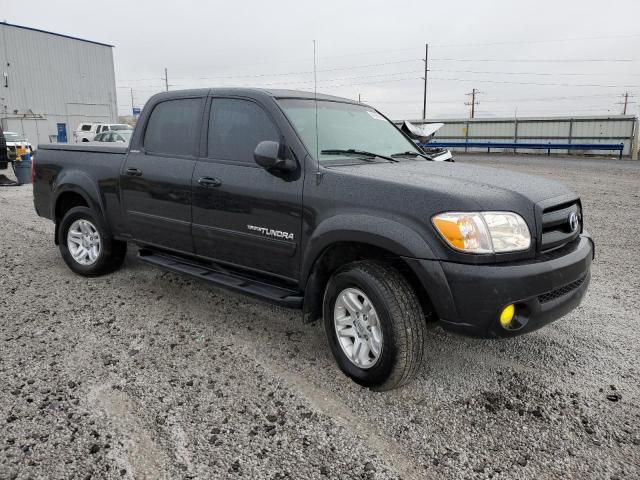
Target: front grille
point(556, 228)
point(560, 292)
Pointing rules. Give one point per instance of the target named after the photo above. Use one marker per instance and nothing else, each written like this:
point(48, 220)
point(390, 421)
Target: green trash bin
point(22, 169)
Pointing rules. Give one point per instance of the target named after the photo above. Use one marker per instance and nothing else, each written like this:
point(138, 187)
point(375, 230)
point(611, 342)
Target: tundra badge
point(270, 232)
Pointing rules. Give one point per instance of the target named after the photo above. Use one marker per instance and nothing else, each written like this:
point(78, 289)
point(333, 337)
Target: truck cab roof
point(252, 92)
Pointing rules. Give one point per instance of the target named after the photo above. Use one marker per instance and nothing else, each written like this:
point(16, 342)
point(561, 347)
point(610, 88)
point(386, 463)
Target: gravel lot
point(147, 374)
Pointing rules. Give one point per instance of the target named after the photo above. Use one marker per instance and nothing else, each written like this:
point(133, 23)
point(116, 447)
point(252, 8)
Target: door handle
point(134, 172)
point(209, 182)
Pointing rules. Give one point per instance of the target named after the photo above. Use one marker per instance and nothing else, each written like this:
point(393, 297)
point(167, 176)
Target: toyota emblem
point(573, 221)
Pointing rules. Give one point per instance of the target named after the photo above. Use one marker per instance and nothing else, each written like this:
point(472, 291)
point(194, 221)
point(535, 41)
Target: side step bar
point(223, 278)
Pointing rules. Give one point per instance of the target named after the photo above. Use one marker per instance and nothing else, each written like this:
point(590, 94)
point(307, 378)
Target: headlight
point(483, 232)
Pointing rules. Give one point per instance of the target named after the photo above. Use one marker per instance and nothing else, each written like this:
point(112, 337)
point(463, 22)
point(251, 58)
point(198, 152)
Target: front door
point(156, 178)
point(243, 214)
point(62, 132)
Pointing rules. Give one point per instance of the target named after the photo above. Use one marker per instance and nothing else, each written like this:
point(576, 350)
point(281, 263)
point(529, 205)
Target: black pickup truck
point(322, 204)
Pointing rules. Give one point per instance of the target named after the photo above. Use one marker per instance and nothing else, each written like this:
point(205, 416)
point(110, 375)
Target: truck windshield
point(345, 127)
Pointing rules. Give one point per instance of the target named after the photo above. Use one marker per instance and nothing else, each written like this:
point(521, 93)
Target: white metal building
point(49, 83)
point(578, 130)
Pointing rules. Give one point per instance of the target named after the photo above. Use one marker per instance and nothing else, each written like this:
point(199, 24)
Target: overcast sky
point(525, 57)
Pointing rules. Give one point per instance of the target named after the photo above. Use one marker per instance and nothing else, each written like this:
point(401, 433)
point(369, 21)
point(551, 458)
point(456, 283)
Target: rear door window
point(173, 127)
point(236, 127)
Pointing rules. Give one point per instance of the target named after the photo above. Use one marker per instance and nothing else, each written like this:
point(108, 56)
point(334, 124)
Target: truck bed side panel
point(92, 172)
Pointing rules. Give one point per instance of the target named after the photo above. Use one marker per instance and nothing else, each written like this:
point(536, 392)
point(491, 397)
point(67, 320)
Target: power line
point(517, 60)
point(550, 40)
point(379, 64)
point(451, 45)
point(566, 97)
point(305, 72)
point(416, 72)
point(536, 83)
point(505, 100)
point(546, 74)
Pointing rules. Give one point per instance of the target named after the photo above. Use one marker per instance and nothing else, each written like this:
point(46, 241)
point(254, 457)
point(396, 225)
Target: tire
point(396, 316)
point(110, 253)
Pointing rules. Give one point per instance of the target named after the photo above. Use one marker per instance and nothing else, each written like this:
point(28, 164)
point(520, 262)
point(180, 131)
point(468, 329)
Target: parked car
point(119, 136)
point(322, 204)
point(86, 132)
point(17, 145)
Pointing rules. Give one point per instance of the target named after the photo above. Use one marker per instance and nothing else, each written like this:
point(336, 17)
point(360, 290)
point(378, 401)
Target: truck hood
point(485, 187)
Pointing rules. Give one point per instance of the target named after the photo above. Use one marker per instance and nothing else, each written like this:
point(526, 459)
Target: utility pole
point(359, 100)
point(626, 102)
point(473, 102)
point(426, 69)
point(166, 79)
point(132, 102)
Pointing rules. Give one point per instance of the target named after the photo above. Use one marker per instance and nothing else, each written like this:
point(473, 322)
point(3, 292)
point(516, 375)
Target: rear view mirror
point(267, 155)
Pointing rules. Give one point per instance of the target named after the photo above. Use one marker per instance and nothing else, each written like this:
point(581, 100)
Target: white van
point(86, 132)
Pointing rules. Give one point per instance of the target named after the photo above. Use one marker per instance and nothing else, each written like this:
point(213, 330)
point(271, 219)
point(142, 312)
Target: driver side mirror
point(267, 155)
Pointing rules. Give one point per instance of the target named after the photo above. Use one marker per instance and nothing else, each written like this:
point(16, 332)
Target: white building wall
point(559, 130)
point(46, 79)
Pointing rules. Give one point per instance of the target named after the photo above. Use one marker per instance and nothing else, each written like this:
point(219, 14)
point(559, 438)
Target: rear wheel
point(85, 244)
point(374, 324)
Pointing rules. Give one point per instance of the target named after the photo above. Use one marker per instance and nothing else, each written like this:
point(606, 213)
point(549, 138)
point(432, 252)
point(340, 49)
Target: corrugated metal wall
point(613, 129)
point(53, 79)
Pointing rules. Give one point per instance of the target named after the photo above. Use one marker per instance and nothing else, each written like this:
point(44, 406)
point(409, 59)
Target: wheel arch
point(387, 234)
point(75, 190)
point(339, 253)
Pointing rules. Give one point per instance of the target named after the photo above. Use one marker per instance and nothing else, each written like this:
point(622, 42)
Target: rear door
point(156, 178)
point(243, 214)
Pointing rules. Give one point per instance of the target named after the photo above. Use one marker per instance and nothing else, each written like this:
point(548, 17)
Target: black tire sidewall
point(355, 278)
point(101, 265)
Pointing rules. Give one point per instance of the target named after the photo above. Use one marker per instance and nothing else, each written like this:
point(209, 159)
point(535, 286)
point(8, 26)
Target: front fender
point(385, 233)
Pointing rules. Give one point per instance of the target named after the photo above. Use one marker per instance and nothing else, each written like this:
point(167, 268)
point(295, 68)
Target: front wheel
point(85, 244)
point(374, 324)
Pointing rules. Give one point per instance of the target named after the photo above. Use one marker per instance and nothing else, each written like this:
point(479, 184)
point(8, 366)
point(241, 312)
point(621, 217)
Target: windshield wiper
point(412, 154)
point(362, 153)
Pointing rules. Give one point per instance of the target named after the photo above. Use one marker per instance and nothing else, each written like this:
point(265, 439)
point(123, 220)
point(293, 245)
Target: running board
point(223, 278)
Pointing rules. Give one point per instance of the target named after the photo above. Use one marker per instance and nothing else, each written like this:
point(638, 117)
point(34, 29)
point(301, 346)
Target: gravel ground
point(147, 374)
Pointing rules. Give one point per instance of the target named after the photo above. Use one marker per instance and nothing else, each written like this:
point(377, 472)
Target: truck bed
point(84, 166)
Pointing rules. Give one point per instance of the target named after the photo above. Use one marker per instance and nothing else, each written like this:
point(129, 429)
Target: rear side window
point(173, 127)
point(236, 127)
point(85, 128)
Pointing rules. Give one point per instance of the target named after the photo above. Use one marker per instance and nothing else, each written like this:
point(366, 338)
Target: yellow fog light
point(506, 316)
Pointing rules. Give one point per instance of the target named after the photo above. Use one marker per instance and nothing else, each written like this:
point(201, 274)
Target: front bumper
point(469, 298)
